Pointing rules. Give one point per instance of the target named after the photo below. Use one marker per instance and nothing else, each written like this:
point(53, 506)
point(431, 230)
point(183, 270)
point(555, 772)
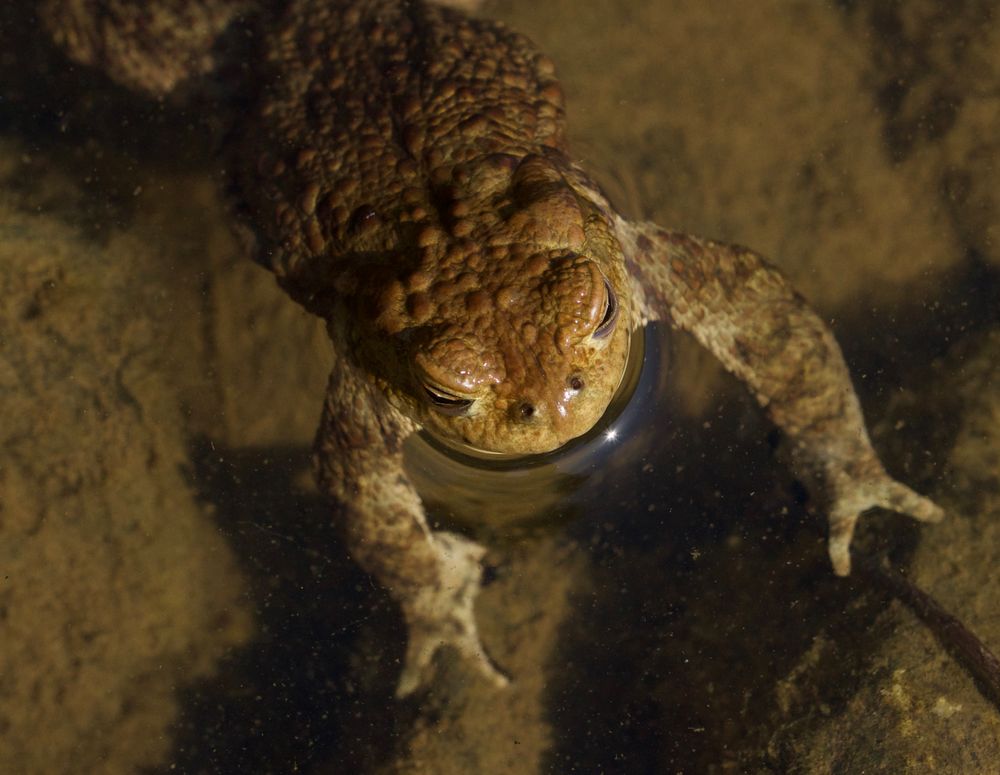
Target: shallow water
point(176, 598)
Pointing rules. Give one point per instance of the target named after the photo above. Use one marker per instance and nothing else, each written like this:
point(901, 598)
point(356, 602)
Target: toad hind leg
point(746, 314)
point(434, 577)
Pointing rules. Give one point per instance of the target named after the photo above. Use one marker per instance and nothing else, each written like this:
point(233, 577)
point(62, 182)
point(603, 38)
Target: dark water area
point(707, 588)
point(177, 596)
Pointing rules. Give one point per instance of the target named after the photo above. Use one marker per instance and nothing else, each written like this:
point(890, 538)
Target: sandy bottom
point(174, 594)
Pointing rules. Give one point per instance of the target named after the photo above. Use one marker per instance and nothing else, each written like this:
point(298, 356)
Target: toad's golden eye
point(610, 316)
point(447, 403)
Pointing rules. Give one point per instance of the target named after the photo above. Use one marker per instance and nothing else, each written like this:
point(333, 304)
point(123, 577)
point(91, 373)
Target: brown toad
point(406, 174)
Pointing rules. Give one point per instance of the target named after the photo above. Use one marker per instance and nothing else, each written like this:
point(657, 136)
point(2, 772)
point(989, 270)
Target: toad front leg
point(434, 577)
point(745, 312)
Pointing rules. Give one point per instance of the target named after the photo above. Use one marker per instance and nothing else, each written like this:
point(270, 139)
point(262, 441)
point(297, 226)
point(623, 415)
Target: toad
point(405, 171)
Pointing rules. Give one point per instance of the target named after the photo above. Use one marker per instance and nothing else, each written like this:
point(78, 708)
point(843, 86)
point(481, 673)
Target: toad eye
point(445, 402)
point(610, 317)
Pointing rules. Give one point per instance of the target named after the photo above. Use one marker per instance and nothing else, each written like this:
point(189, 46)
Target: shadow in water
point(710, 592)
point(297, 695)
point(674, 631)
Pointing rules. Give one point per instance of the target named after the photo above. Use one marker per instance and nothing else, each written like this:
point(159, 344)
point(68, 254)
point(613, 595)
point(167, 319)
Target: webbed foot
point(854, 495)
point(443, 615)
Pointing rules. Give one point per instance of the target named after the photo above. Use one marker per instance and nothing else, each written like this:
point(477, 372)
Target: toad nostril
point(526, 410)
point(576, 383)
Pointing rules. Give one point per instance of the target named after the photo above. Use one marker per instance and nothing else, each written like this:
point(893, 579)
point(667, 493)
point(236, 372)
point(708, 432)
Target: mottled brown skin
point(744, 311)
point(407, 183)
point(422, 209)
point(406, 174)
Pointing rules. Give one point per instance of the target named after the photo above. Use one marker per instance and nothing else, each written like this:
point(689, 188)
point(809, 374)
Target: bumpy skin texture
point(406, 174)
point(407, 184)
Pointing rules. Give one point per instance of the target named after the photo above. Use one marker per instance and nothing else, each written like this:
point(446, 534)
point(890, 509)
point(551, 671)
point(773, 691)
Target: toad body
point(405, 171)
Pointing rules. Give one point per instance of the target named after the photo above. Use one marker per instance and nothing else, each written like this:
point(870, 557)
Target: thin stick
point(957, 639)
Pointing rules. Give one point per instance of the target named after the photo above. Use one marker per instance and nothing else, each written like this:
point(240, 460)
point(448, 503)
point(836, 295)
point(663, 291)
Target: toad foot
point(747, 315)
point(443, 615)
point(853, 496)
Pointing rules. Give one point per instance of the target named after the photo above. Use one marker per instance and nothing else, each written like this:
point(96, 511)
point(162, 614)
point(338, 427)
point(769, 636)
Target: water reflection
point(478, 489)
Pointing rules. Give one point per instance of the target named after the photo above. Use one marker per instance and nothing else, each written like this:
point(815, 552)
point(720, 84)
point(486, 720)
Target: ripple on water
point(467, 486)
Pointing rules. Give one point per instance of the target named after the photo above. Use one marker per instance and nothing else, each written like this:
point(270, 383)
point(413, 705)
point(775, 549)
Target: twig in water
point(957, 639)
